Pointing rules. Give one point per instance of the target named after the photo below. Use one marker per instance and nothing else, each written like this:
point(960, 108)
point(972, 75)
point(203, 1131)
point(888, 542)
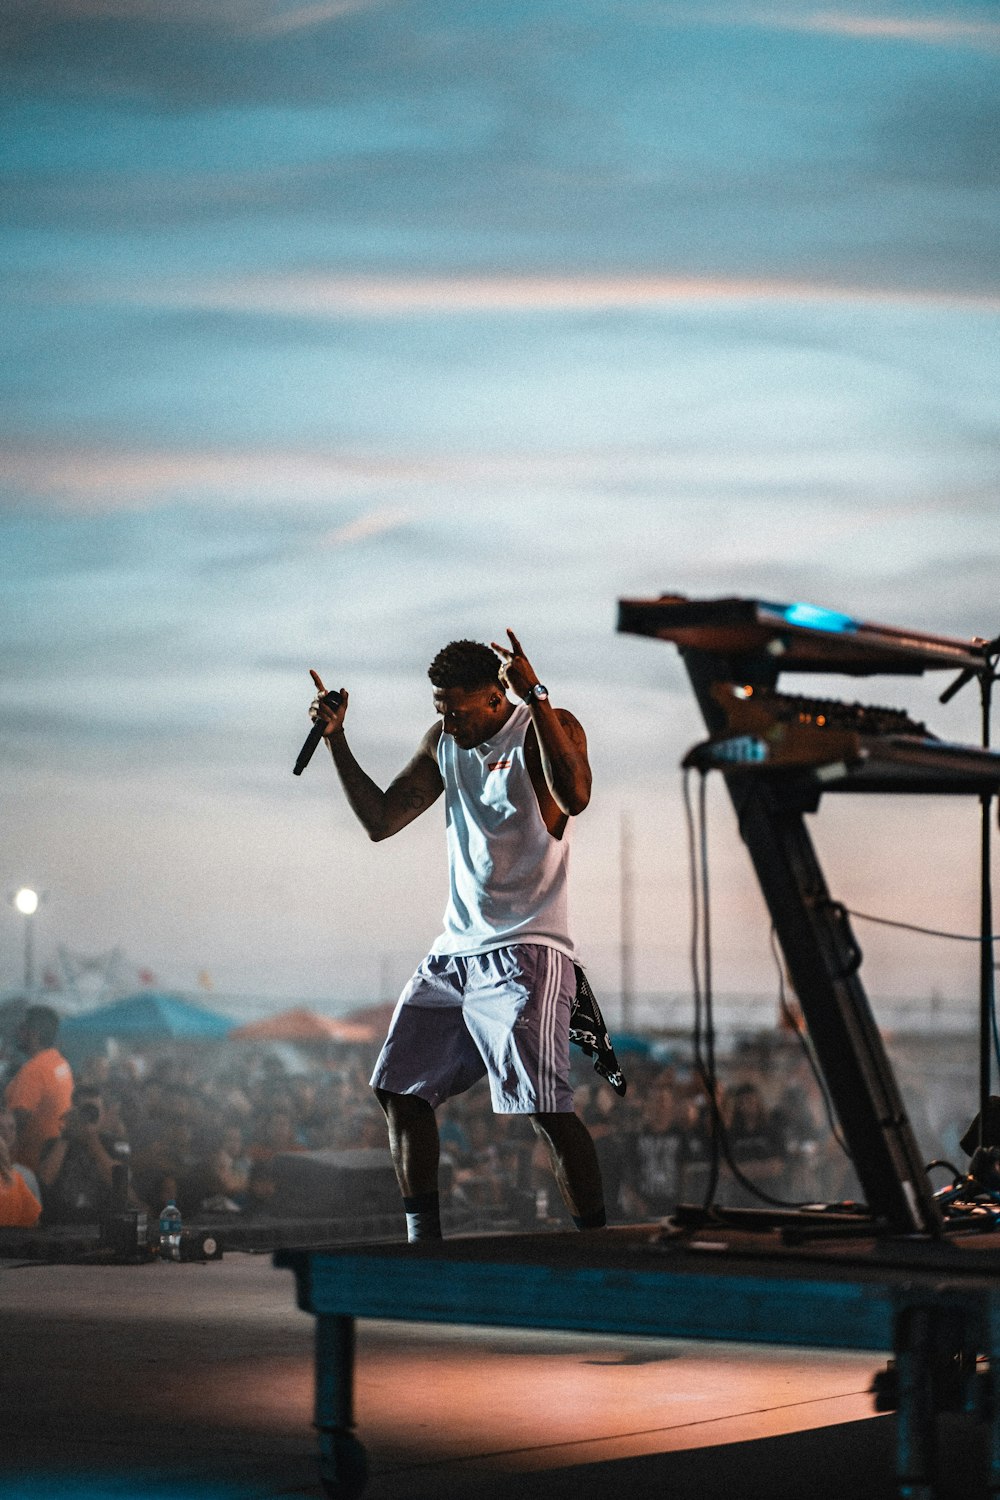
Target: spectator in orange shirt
point(19, 1208)
point(41, 1091)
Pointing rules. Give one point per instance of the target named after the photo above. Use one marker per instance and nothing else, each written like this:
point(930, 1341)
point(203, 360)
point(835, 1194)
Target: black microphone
point(315, 735)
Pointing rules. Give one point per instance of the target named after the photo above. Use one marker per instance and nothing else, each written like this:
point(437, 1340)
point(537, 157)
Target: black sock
point(597, 1220)
point(423, 1216)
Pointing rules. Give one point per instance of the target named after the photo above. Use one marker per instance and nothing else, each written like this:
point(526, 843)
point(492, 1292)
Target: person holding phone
point(493, 996)
point(76, 1167)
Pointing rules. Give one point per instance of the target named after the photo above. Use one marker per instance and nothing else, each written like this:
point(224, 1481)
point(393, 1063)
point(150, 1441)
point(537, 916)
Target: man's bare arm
point(382, 814)
point(562, 743)
point(562, 746)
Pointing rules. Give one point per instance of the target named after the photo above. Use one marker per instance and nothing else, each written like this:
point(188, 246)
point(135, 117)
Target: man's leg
point(574, 1163)
point(416, 1150)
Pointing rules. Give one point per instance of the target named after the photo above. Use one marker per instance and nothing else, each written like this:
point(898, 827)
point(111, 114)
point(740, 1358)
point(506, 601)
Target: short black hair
point(465, 664)
point(43, 1023)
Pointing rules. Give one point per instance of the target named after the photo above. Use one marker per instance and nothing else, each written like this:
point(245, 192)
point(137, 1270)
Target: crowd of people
point(207, 1127)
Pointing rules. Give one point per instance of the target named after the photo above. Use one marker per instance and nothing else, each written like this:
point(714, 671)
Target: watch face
point(538, 691)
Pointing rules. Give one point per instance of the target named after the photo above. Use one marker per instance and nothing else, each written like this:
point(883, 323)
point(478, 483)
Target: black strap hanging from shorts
point(588, 1032)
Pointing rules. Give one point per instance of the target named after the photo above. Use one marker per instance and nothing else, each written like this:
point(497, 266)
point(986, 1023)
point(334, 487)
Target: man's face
point(470, 714)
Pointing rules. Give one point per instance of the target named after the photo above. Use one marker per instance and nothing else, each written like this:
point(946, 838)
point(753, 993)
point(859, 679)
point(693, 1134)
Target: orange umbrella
point(375, 1017)
point(302, 1025)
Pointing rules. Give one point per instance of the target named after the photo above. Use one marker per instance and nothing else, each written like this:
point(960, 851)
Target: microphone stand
point(987, 675)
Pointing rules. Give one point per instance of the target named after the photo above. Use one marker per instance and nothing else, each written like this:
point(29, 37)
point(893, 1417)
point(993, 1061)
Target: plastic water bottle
point(170, 1232)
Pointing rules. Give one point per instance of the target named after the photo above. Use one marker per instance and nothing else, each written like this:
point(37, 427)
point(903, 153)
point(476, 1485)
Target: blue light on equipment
point(814, 618)
point(740, 750)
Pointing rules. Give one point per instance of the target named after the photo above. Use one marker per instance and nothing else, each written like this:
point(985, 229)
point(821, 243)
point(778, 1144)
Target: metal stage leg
point(343, 1462)
point(991, 1400)
point(916, 1415)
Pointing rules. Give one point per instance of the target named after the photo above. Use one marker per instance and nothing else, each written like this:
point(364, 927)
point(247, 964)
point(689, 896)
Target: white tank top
point(506, 872)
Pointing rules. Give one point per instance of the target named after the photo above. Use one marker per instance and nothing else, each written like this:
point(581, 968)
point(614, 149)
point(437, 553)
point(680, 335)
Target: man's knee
point(402, 1107)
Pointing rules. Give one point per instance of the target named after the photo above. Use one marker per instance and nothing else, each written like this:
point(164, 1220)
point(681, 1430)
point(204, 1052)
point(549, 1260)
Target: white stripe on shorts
point(547, 1030)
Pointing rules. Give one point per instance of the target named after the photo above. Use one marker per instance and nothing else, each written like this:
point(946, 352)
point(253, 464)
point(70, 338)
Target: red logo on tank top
point(499, 765)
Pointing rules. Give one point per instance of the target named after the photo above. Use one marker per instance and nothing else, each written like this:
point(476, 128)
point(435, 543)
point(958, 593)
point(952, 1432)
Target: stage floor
point(195, 1382)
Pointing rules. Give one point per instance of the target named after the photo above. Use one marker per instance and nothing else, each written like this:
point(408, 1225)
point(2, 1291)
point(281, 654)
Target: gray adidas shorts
point(504, 1014)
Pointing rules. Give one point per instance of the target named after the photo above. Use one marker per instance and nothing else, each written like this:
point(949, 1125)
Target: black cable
point(706, 929)
point(695, 938)
point(804, 1042)
point(721, 1145)
point(940, 1162)
point(695, 955)
point(708, 1074)
point(955, 937)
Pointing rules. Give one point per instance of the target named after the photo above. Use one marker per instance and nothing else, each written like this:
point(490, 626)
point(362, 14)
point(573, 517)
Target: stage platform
point(160, 1381)
point(932, 1305)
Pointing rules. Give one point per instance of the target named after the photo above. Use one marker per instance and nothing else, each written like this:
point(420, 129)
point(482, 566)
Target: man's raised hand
point(329, 715)
point(516, 671)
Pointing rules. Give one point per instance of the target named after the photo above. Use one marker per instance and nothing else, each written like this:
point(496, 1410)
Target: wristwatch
point(538, 692)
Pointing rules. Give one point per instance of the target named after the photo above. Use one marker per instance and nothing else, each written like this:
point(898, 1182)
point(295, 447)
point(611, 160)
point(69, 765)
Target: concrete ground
point(195, 1382)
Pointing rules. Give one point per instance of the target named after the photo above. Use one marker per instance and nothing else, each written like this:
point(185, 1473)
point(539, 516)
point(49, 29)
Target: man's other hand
point(330, 717)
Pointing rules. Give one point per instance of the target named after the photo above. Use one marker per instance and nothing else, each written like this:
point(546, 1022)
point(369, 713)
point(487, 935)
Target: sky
point(336, 331)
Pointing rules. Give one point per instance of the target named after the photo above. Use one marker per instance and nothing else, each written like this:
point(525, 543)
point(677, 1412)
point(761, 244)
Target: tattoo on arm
point(561, 765)
point(573, 731)
point(564, 763)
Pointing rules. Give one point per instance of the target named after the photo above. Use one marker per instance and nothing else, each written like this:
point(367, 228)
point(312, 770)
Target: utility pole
point(626, 945)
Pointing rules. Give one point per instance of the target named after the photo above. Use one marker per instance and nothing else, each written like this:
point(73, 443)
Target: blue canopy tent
point(630, 1041)
point(144, 1018)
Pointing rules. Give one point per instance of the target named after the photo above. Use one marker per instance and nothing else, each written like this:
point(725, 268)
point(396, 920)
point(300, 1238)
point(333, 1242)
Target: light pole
point(26, 901)
point(626, 935)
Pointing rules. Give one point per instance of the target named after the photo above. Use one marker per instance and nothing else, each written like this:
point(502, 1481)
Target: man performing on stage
point(493, 996)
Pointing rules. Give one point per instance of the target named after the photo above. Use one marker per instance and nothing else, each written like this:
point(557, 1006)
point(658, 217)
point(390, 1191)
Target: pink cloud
point(94, 481)
point(322, 295)
point(932, 30)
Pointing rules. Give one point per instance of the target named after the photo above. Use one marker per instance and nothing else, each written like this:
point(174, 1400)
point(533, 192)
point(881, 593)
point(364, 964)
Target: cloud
point(425, 136)
point(935, 31)
point(872, 23)
point(98, 479)
point(180, 12)
point(329, 295)
point(264, 16)
point(943, 132)
point(190, 53)
point(303, 17)
point(92, 481)
point(363, 528)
